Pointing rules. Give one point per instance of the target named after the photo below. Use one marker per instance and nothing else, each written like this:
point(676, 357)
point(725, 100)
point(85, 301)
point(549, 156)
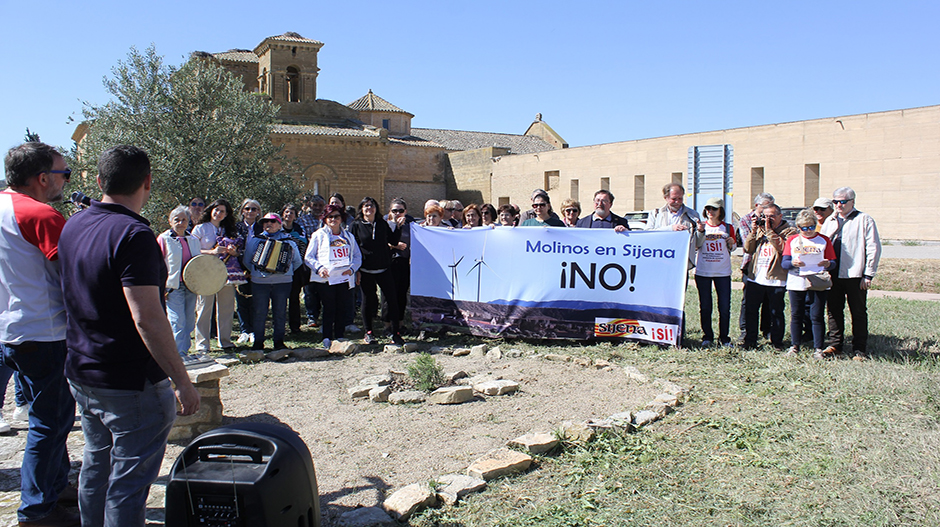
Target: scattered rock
point(494, 354)
point(478, 351)
point(499, 462)
point(345, 347)
point(277, 355)
point(660, 408)
point(514, 354)
point(451, 395)
point(583, 361)
point(360, 391)
point(455, 376)
point(366, 517)
point(377, 380)
point(486, 377)
point(682, 394)
point(250, 356)
point(309, 353)
point(460, 352)
point(603, 424)
point(441, 351)
point(557, 358)
point(379, 394)
point(407, 396)
point(645, 417)
point(410, 347)
point(635, 375)
point(227, 361)
point(622, 421)
point(668, 399)
point(207, 372)
point(496, 387)
point(452, 487)
point(602, 364)
point(392, 348)
point(577, 431)
point(408, 500)
point(535, 443)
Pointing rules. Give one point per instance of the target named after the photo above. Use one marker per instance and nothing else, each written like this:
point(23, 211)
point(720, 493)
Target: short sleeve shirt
point(714, 257)
point(102, 250)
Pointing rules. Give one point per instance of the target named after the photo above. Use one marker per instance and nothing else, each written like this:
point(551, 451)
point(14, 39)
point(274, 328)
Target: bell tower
point(287, 68)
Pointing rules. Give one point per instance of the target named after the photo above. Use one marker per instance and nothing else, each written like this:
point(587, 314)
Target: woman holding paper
point(806, 256)
point(334, 258)
point(715, 241)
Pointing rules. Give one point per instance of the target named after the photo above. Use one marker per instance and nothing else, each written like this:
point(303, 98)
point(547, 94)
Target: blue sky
point(598, 72)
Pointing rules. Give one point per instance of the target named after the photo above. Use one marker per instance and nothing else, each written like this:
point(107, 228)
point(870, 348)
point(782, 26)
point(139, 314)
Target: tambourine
point(205, 274)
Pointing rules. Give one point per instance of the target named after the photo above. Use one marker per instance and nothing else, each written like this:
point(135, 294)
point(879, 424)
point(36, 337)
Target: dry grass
point(918, 276)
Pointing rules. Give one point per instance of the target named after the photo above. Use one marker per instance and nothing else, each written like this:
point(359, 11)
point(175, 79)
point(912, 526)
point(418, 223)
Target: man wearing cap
point(270, 285)
point(855, 238)
point(33, 325)
point(120, 345)
point(603, 218)
point(822, 209)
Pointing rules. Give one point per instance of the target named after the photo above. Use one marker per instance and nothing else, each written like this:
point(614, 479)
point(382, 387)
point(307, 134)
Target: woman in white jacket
point(334, 259)
point(178, 247)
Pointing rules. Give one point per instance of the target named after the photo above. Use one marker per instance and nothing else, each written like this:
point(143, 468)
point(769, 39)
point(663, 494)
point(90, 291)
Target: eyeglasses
point(458, 210)
point(805, 228)
point(197, 204)
point(539, 204)
point(569, 211)
point(252, 209)
point(66, 174)
point(820, 209)
point(842, 201)
point(398, 211)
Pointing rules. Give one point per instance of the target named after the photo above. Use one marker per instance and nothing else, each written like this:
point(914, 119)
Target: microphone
point(79, 198)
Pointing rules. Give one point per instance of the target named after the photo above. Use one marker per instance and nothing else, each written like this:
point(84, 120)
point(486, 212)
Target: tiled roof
point(460, 140)
point(237, 55)
point(371, 102)
point(345, 129)
point(290, 36)
point(410, 140)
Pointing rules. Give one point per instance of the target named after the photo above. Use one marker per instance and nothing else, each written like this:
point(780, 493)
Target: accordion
point(273, 256)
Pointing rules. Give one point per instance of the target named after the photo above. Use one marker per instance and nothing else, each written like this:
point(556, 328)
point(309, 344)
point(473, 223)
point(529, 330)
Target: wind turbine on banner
point(453, 275)
point(479, 267)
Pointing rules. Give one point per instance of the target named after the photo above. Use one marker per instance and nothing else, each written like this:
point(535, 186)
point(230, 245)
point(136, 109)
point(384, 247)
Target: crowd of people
point(97, 310)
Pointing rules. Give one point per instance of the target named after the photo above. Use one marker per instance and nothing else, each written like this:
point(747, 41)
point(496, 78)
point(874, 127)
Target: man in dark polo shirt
point(603, 218)
point(120, 345)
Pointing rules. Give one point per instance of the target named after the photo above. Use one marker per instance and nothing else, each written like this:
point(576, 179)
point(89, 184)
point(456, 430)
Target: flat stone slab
point(251, 356)
point(556, 357)
point(478, 351)
point(392, 348)
point(499, 462)
point(344, 347)
point(500, 387)
point(377, 380)
point(535, 443)
point(668, 399)
point(577, 431)
point(635, 375)
point(309, 353)
point(408, 500)
point(494, 354)
point(277, 355)
point(451, 395)
point(208, 372)
point(379, 394)
point(407, 396)
point(366, 517)
point(460, 352)
point(452, 487)
point(411, 347)
point(358, 392)
point(645, 417)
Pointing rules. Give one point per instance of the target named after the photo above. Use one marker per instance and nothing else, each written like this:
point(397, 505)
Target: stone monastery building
point(369, 147)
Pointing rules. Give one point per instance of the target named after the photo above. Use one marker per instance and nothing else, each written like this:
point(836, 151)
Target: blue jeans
point(243, 300)
point(815, 303)
point(723, 292)
point(45, 469)
point(261, 295)
point(181, 312)
point(5, 373)
point(125, 439)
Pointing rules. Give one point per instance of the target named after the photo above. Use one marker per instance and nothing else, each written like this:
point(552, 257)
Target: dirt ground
point(362, 450)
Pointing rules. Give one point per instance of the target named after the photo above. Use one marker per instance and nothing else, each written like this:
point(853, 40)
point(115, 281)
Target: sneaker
point(793, 351)
point(822, 354)
point(397, 340)
point(368, 339)
point(244, 338)
point(4, 426)
point(21, 414)
point(706, 343)
point(326, 343)
point(58, 517)
point(352, 328)
point(279, 345)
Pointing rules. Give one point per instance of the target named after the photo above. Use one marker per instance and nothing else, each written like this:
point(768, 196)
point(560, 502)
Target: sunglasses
point(569, 211)
point(197, 204)
point(252, 209)
point(540, 204)
point(820, 209)
point(398, 211)
point(842, 201)
point(808, 228)
point(66, 174)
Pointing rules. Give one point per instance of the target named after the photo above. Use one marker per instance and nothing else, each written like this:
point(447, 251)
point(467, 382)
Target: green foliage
point(426, 372)
point(205, 135)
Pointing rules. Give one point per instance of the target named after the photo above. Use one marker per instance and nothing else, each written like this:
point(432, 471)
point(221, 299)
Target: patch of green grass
point(910, 243)
point(426, 373)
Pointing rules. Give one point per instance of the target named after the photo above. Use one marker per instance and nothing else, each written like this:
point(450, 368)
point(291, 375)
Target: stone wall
point(469, 174)
point(887, 157)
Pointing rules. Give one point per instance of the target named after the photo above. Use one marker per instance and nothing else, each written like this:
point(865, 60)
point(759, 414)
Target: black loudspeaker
point(244, 475)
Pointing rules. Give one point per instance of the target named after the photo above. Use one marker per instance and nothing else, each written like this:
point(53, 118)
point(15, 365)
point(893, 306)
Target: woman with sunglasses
point(715, 240)
point(376, 240)
point(806, 256)
point(334, 259)
point(543, 213)
point(570, 212)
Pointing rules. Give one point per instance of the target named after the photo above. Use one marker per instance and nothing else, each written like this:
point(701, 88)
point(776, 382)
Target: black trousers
point(756, 294)
point(336, 300)
point(370, 299)
point(848, 290)
point(401, 275)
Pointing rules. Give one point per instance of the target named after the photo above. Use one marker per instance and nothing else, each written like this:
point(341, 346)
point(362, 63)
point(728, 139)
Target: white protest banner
point(551, 282)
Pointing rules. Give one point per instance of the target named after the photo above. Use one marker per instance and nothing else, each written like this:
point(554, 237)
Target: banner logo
point(617, 327)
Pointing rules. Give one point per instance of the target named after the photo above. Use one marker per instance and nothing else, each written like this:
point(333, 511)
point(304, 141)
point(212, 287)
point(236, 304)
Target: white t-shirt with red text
point(714, 256)
point(798, 245)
